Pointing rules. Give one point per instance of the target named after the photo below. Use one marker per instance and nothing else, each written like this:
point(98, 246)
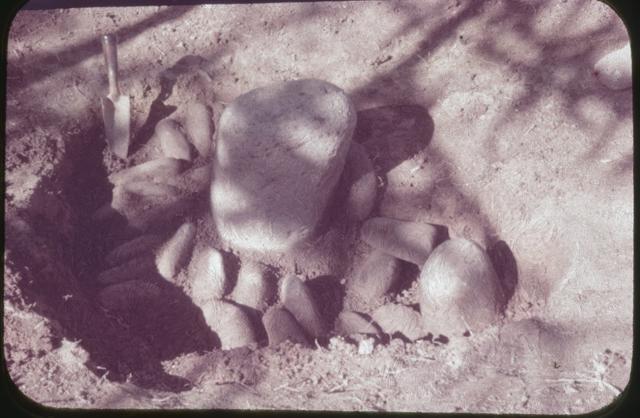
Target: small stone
point(230, 323)
point(366, 346)
point(297, 299)
point(160, 170)
point(361, 183)
point(281, 326)
point(123, 296)
point(207, 275)
point(172, 141)
point(130, 249)
point(252, 287)
point(373, 278)
point(280, 151)
point(350, 323)
point(173, 255)
point(409, 241)
point(459, 289)
point(394, 318)
point(614, 69)
point(199, 126)
point(134, 269)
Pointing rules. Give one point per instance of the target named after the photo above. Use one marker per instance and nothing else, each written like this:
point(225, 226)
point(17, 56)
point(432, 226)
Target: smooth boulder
point(459, 289)
point(207, 275)
point(280, 151)
point(253, 288)
point(372, 279)
point(231, 324)
point(199, 126)
point(282, 326)
point(394, 318)
point(172, 140)
point(297, 299)
point(361, 183)
point(174, 254)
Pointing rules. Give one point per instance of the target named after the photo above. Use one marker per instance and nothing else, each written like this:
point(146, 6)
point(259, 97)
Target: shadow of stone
point(329, 295)
point(504, 263)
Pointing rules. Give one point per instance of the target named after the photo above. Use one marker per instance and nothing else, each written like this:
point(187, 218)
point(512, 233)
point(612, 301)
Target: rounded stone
point(350, 323)
point(174, 254)
point(361, 183)
point(207, 275)
point(297, 299)
point(133, 248)
point(459, 289)
point(134, 269)
point(172, 140)
point(280, 151)
point(373, 278)
point(160, 170)
point(122, 296)
point(253, 289)
point(394, 318)
point(408, 241)
point(199, 126)
point(231, 324)
point(614, 69)
point(281, 326)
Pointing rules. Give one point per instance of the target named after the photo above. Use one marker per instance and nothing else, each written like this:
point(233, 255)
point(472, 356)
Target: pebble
point(160, 170)
point(122, 296)
point(173, 255)
point(614, 69)
point(281, 326)
point(230, 323)
point(130, 249)
point(408, 241)
point(199, 126)
point(361, 182)
point(207, 275)
point(373, 278)
point(459, 289)
point(280, 151)
point(297, 299)
point(392, 318)
point(133, 269)
point(172, 141)
point(350, 323)
point(252, 288)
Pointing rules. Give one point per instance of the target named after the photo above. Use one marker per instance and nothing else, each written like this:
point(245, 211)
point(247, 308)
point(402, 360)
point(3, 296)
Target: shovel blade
point(117, 118)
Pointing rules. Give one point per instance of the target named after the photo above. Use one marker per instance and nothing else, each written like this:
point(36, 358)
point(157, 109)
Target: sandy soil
point(484, 116)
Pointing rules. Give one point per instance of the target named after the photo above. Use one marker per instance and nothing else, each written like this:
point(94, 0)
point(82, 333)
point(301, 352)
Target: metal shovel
point(115, 107)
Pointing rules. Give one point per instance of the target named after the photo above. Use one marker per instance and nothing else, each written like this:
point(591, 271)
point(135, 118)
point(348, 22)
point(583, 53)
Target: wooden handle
point(109, 48)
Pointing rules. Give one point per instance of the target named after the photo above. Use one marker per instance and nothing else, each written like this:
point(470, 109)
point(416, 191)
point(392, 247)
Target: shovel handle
point(109, 48)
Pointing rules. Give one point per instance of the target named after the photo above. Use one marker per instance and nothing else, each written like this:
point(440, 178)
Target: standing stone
point(280, 151)
point(394, 318)
point(160, 170)
point(199, 126)
point(230, 323)
point(281, 326)
point(361, 183)
point(173, 255)
point(614, 69)
point(130, 249)
point(373, 278)
point(172, 141)
point(297, 299)
point(459, 289)
point(207, 275)
point(409, 241)
point(252, 287)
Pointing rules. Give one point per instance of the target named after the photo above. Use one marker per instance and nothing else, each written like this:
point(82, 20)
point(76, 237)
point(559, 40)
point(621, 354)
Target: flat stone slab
point(280, 151)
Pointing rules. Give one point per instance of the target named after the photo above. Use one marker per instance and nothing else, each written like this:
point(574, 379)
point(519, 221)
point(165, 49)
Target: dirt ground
point(483, 116)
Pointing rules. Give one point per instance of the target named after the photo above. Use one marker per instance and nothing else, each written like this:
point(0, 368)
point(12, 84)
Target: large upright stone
point(280, 151)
